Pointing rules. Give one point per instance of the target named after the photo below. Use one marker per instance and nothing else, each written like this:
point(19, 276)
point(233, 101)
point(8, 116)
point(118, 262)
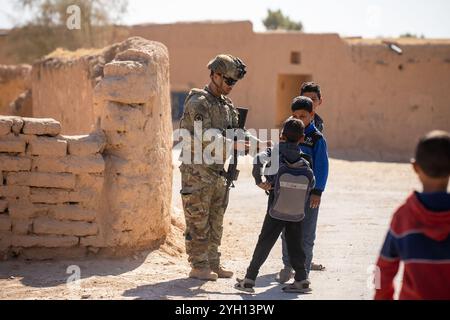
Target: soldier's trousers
point(203, 192)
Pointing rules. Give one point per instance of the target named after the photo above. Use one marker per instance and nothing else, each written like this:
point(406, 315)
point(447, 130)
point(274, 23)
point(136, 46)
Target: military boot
point(203, 274)
point(221, 272)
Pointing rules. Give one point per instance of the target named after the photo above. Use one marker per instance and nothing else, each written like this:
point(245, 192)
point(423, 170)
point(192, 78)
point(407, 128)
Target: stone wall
point(108, 192)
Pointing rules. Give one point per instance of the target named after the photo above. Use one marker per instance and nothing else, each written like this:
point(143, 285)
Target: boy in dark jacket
point(420, 228)
point(316, 147)
point(312, 90)
point(288, 150)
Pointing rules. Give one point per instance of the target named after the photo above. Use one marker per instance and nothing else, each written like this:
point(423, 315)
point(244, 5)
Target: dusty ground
point(354, 217)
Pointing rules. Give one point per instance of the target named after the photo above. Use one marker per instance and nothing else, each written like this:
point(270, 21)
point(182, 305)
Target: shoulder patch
point(196, 101)
point(196, 95)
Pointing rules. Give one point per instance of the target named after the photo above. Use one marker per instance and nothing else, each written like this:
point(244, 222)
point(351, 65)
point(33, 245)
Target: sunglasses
point(229, 81)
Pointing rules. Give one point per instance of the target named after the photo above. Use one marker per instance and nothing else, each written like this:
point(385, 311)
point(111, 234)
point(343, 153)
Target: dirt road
point(354, 216)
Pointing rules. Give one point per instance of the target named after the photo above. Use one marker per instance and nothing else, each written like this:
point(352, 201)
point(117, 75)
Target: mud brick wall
point(15, 90)
point(106, 193)
point(50, 186)
point(132, 105)
point(70, 85)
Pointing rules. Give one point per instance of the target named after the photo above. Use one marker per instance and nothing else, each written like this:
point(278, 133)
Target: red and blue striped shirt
point(418, 237)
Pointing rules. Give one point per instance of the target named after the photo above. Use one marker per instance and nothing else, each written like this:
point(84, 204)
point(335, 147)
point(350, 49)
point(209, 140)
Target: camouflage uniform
point(203, 186)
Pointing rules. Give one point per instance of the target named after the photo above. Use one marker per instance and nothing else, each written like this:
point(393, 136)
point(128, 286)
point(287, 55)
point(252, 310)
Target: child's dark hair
point(293, 130)
point(433, 154)
point(302, 103)
point(310, 87)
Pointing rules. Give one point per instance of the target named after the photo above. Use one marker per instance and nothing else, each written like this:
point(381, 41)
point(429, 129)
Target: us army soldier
point(203, 188)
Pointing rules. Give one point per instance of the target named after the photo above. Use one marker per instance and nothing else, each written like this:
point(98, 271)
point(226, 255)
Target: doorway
point(288, 87)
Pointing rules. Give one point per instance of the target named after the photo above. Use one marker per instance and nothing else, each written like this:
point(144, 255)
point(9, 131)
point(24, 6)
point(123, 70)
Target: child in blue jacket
point(316, 147)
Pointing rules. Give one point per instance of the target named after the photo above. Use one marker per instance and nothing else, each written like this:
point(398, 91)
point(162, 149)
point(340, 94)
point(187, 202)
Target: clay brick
point(5, 222)
point(5, 241)
point(12, 163)
point(22, 210)
point(21, 226)
point(11, 143)
point(27, 138)
point(137, 88)
point(40, 179)
point(17, 123)
point(3, 205)
point(48, 195)
point(86, 144)
point(43, 126)
point(14, 192)
point(44, 241)
point(44, 146)
point(70, 164)
point(92, 241)
point(90, 181)
point(73, 213)
point(123, 68)
point(85, 195)
point(45, 225)
point(5, 126)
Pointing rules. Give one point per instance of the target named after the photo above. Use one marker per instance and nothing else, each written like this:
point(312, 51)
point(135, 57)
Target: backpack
point(291, 189)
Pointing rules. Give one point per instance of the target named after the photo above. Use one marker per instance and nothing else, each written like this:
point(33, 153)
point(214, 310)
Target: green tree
point(276, 20)
point(47, 29)
point(411, 35)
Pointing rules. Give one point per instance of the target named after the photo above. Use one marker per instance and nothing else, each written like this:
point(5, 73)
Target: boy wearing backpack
point(285, 210)
point(316, 147)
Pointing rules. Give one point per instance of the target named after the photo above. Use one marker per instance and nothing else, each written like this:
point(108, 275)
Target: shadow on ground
point(191, 289)
point(44, 274)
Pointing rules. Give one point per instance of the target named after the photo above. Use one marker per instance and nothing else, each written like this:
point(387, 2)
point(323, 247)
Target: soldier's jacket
point(212, 112)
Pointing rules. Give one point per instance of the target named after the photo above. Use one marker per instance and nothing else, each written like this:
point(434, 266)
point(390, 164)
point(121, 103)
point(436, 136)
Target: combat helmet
point(229, 66)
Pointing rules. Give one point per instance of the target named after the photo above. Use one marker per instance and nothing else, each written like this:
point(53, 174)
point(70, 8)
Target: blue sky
point(367, 18)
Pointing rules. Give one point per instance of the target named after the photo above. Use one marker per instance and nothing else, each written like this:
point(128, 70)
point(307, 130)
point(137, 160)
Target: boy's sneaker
point(285, 275)
point(298, 287)
point(246, 285)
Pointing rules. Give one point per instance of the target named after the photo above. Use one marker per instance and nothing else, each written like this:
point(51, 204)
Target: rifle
point(232, 172)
